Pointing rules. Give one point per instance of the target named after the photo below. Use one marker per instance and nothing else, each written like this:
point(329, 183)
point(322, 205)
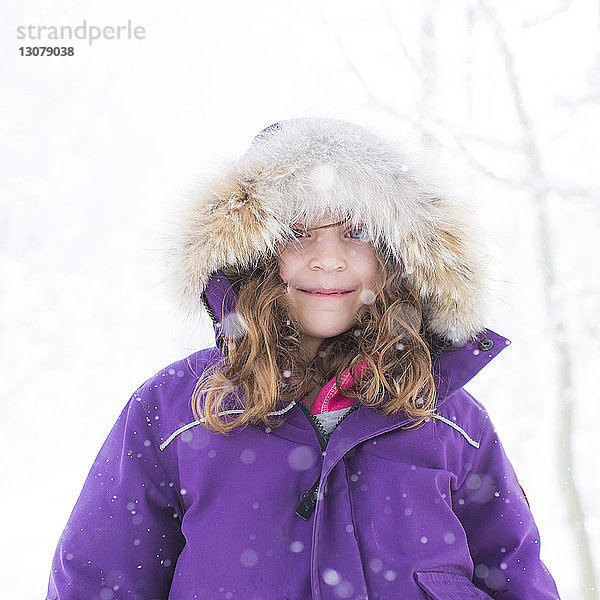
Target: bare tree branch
point(561, 7)
point(575, 514)
point(400, 41)
point(539, 184)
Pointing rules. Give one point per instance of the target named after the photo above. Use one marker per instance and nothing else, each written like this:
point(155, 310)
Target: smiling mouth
point(327, 293)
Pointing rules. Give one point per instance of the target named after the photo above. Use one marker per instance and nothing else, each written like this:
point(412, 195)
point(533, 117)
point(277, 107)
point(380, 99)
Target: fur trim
point(301, 168)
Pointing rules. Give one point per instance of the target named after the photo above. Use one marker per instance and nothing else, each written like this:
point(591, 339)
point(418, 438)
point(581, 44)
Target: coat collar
point(457, 365)
point(454, 367)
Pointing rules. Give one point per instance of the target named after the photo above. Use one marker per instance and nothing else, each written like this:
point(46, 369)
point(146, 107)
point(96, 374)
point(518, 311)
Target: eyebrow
point(327, 226)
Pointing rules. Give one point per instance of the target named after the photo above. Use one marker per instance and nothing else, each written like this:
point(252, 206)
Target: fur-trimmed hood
point(302, 168)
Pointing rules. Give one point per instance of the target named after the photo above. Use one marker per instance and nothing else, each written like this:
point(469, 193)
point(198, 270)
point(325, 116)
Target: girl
point(325, 448)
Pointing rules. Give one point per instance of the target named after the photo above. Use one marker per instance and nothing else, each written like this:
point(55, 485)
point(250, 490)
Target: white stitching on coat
point(226, 412)
point(459, 429)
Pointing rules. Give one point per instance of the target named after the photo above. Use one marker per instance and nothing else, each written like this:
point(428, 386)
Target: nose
point(328, 254)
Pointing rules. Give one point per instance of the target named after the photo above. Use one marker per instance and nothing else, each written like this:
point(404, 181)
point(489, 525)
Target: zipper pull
point(308, 501)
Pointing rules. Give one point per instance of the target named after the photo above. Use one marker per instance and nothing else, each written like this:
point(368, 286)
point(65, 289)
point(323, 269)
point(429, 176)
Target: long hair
point(263, 369)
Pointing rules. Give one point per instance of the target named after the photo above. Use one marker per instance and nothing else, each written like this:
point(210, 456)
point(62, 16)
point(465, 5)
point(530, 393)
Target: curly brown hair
point(262, 350)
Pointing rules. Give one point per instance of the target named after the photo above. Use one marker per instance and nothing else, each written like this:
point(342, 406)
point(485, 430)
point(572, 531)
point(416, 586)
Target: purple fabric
point(430, 512)
point(221, 298)
point(267, 130)
point(460, 363)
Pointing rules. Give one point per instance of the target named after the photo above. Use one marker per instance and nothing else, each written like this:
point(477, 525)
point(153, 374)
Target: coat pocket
point(449, 586)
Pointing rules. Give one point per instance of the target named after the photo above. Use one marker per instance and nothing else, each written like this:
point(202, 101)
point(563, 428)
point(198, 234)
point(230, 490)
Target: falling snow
point(302, 458)
point(249, 558)
point(367, 297)
point(323, 176)
point(375, 564)
point(331, 577)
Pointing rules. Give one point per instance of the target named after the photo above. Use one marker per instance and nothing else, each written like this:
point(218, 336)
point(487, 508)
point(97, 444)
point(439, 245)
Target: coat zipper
point(319, 429)
point(308, 498)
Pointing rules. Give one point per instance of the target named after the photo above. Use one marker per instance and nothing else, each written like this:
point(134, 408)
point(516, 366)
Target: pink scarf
point(330, 398)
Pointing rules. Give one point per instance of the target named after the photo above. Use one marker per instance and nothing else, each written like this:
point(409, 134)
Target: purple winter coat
point(170, 510)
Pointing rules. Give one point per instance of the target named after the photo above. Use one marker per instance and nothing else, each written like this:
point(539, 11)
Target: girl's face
point(331, 270)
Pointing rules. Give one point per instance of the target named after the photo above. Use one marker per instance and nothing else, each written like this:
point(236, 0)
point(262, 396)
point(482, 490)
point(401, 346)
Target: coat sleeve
point(124, 535)
point(503, 538)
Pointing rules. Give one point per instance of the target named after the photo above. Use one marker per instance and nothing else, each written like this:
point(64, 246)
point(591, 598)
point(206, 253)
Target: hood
point(301, 168)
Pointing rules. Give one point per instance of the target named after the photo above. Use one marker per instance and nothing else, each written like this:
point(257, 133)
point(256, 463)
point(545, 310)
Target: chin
point(327, 332)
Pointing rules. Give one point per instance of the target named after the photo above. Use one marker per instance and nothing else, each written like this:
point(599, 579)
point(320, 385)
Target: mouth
point(326, 292)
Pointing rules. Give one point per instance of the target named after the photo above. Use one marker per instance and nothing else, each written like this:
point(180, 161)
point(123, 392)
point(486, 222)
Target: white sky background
point(98, 150)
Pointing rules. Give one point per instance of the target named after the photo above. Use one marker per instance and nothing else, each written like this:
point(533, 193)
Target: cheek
point(369, 269)
point(283, 269)
point(287, 263)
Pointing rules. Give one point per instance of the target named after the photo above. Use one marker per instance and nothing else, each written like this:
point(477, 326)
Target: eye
point(299, 232)
point(358, 233)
